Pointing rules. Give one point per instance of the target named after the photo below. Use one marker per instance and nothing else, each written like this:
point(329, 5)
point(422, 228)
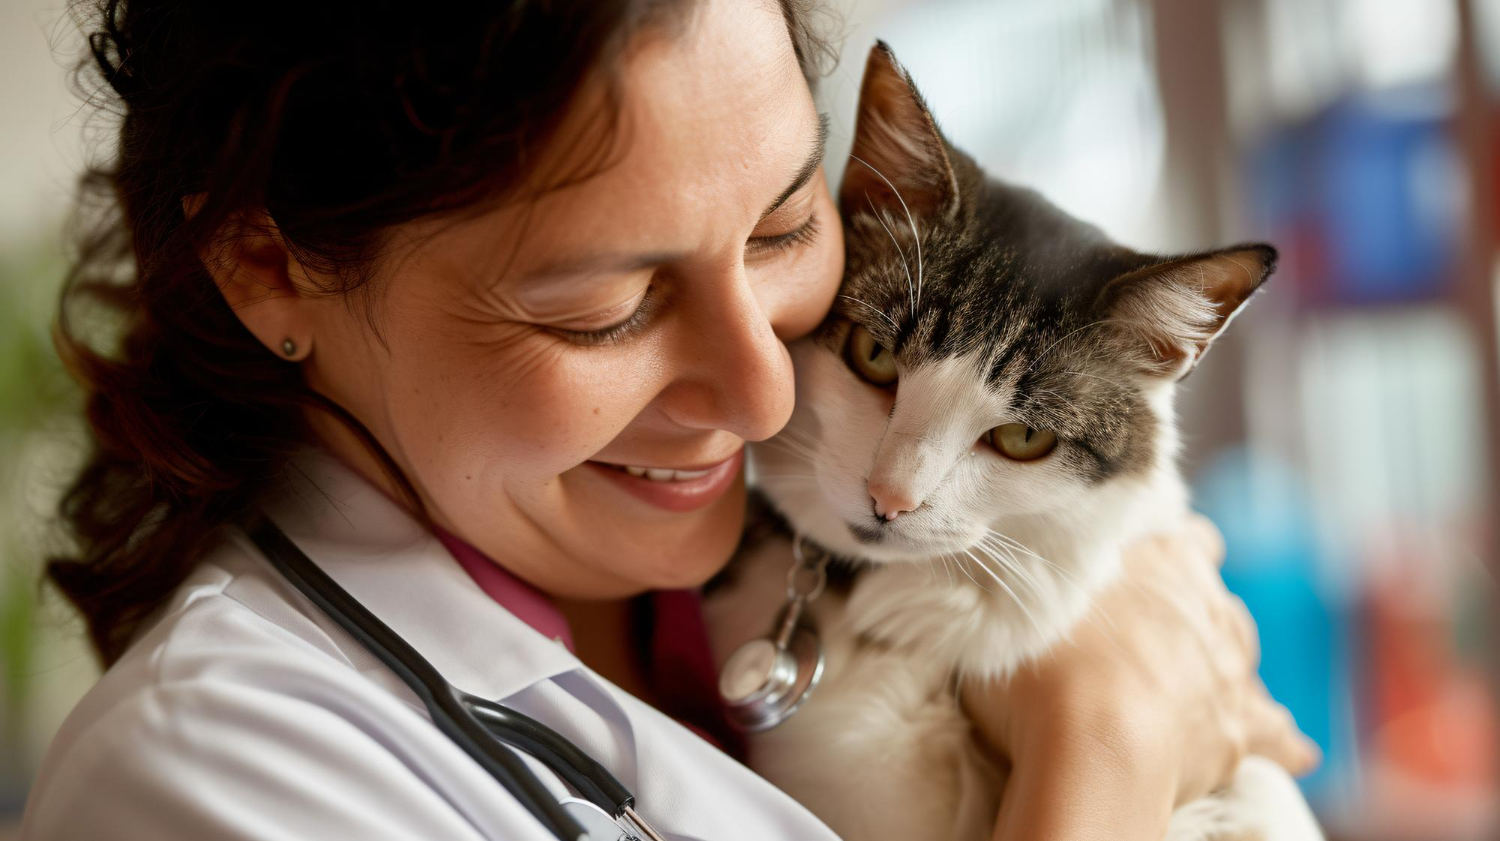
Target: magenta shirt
point(671, 642)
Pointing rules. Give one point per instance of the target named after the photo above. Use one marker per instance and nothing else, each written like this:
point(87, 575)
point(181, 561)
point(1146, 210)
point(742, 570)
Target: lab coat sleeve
point(199, 759)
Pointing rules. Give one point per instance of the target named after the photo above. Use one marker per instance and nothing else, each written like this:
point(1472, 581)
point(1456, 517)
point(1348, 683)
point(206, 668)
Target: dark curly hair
point(337, 120)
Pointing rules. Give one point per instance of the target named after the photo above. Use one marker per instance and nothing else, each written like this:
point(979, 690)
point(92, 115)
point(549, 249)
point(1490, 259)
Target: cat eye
point(1019, 442)
point(869, 358)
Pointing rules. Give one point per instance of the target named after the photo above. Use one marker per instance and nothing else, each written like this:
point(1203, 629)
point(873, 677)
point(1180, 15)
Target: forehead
point(1009, 278)
point(711, 116)
point(711, 120)
point(725, 97)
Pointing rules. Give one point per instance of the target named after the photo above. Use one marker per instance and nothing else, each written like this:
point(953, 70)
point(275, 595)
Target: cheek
point(804, 290)
point(1000, 488)
point(523, 411)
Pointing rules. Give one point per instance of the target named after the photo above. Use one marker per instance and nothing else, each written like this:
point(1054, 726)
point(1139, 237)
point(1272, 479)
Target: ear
point(899, 156)
point(258, 277)
point(1170, 312)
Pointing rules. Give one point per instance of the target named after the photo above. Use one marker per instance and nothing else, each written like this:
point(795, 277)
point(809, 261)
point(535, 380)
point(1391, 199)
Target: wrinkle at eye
point(576, 310)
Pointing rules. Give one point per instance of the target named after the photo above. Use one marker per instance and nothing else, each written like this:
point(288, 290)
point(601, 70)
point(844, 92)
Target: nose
point(890, 501)
point(740, 378)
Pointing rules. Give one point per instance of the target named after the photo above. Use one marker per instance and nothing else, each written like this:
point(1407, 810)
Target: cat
point(982, 423)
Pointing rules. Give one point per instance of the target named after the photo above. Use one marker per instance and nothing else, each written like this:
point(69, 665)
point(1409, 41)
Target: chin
point(895, 547)
point(712, 543)
point(685, 555)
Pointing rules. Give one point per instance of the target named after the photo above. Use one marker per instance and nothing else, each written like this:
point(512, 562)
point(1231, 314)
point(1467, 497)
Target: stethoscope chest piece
point(766, 680)
point(763, 685)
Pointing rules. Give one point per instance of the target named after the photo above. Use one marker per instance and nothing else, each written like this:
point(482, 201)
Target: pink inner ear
point(1178, 308)
point(1174, 320)
point(897, 147)
point(894, 129)
point(1229, 280)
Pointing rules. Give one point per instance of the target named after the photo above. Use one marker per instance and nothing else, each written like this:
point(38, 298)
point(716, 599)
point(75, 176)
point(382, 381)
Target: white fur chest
point(882, 748)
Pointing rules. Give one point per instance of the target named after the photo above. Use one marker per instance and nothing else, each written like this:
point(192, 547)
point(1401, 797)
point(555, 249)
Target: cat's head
point(1006, 362)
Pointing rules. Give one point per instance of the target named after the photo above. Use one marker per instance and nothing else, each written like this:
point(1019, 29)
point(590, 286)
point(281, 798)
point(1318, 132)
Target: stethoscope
point(766, 680)
point(762, 684)
point(486, 730)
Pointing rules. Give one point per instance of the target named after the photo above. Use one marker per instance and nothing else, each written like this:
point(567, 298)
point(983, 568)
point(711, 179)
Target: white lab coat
point(242, 712)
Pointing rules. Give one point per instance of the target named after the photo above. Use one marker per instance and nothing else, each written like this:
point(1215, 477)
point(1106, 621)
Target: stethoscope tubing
point(476, 725)
point(591, 780)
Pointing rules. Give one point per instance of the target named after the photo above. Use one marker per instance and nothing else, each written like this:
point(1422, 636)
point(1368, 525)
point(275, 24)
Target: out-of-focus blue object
point(1262, 509)
point(1367, 194)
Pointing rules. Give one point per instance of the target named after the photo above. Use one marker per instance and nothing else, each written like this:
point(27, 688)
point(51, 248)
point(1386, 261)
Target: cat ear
point(1170, 312)
point(899, 155)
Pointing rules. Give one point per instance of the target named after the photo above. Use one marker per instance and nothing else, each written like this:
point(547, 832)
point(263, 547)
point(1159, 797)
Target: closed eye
point(623, 329)
point(802, 235)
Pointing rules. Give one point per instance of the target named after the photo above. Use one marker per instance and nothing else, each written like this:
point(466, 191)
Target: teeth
point(664, 474)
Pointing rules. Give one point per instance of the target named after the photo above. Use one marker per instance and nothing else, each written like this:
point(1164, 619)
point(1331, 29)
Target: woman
point(430, 287)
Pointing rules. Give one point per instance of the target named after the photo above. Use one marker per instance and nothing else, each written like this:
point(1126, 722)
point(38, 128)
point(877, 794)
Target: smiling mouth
point(661, 474)
point(674, 489)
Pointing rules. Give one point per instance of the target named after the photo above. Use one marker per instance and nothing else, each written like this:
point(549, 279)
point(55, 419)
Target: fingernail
point(1313, 756)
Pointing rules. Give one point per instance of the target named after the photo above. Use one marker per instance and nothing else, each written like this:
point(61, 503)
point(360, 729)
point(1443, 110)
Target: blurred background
point(1343, 434)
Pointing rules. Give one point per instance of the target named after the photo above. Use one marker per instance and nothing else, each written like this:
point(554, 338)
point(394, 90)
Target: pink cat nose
point(890, 502)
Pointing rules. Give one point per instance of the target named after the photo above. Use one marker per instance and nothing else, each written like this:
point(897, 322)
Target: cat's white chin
point(894, 544)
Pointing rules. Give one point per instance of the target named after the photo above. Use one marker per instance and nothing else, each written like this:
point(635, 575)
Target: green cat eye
point(1020, 442)
point(869, 358)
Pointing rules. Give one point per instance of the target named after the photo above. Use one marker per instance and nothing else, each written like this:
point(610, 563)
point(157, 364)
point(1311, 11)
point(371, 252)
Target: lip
point(677, 497)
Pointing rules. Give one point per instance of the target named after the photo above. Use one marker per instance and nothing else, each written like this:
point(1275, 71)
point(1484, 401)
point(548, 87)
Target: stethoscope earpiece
point(766, 680)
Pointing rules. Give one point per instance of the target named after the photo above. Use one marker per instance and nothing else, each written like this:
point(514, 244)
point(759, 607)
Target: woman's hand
point(1152, 703)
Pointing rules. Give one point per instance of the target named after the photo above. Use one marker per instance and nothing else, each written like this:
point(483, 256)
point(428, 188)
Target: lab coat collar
point(405, 576)
point(402, 573)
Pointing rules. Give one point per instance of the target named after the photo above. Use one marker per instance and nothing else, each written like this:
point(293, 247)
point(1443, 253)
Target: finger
point(1275, 736)
point(1205, 537)
point(1242, 625)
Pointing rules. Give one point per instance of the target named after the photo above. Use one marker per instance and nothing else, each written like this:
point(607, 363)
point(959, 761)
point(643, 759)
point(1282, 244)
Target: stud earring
point(288, 348)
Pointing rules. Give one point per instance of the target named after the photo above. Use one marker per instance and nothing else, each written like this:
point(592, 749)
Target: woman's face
point(531, 360)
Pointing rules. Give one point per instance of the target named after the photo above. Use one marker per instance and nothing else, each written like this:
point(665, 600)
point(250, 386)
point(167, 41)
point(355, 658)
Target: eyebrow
point(809, 168)
point(614, 262)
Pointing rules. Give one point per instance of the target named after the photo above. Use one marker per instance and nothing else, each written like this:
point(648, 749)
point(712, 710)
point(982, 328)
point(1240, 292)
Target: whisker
point(1094, 616)
point(916, 235)
point(792, 430)
point(789, 445)
point(1010, 563)
point(964, 567)
point(803, 460)
point(1013, 567)
point(1053, 346)
point(1116, 383)
point(910, 289)
point(1019, 546)
point(894, 325)
point(994, 540)
point(1012, 593)
point(799, 435)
